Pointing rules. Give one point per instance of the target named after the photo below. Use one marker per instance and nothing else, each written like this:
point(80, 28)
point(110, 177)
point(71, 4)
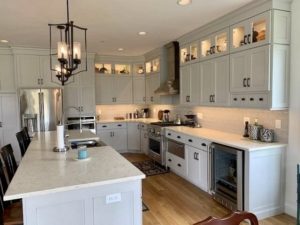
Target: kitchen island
point(57, 189)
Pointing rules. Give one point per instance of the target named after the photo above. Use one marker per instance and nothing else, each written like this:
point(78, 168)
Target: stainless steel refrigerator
point(41, 109)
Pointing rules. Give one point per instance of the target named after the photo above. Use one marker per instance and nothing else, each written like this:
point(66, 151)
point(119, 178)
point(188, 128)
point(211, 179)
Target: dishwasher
point(176, 157)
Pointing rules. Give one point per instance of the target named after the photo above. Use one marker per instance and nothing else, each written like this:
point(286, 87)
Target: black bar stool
point(9, 160)
point(22, 142)
point(26, 135)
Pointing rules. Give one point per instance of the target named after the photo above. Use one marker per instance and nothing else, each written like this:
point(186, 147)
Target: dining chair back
point(26, 135)
point(233, 219)
point(7, 155)
point(22, 142)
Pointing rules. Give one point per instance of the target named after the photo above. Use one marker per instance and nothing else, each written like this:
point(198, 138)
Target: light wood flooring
point(174, 201)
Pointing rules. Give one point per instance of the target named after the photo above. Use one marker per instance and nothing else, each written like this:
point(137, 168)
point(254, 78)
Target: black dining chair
point(7, 155)
point(10, 212)
point(22, 142)
point(27, 137)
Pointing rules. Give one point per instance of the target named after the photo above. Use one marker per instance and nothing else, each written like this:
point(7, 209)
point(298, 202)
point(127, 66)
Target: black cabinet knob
point(190, 140)
point(104, 126)
point(179, 164)
point(170, 160)
point(203, 144)
point(178, 137)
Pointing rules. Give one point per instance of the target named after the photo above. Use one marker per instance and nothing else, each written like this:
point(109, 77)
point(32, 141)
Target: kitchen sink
point(87, 143)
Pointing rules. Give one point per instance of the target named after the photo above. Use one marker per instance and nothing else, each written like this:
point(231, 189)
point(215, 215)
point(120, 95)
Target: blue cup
point(82, 152)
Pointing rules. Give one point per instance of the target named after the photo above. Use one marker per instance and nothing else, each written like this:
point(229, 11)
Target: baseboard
point(262, 214)
point(291, 209)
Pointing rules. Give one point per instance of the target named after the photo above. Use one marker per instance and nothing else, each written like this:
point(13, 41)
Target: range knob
point(157, 133)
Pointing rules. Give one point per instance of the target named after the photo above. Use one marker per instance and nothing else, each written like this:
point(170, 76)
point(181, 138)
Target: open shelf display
point(104, 68)
point(138, 68)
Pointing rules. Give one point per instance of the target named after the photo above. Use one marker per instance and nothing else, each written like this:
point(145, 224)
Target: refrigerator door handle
point(42, 113)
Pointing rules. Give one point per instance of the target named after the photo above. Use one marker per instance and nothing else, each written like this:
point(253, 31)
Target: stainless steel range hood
point(172, 84)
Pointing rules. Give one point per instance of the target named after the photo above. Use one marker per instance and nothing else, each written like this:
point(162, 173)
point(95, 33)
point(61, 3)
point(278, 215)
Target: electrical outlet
point(200, 116)
point(113, 198)
point(278, 124)
point(246, 119)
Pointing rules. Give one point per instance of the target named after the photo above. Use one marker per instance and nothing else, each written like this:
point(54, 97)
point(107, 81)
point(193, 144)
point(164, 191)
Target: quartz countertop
point(141, 120)
point(229, 139)
point(75, 135)
point(43, 171)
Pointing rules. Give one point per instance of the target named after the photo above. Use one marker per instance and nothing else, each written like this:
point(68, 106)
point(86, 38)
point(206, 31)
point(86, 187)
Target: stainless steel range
point(157, 141)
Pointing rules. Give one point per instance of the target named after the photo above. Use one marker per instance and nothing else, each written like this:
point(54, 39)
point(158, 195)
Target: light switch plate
point(200, 116)
point(113, 198)
point(278, 124)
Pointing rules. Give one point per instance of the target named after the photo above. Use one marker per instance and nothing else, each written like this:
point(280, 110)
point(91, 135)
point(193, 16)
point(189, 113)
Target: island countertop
point(43, 171)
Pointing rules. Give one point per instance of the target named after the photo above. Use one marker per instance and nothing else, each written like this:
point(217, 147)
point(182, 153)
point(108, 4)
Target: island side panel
point(119, 203)
point(264, 181)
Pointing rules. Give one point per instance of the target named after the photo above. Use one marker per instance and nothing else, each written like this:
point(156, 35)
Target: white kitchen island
point(57, 189)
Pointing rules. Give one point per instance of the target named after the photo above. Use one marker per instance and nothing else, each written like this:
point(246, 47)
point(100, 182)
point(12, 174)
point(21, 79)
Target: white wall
point(293, 153)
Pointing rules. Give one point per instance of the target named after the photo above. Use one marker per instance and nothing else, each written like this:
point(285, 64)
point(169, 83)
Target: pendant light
point(68, 51)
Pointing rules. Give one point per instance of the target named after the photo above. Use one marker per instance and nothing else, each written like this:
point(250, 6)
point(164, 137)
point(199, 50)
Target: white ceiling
point(112, 23)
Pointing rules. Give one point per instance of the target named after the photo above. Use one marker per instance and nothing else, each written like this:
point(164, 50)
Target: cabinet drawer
point(198, 143)
point(176, 136)
point(255, 100)
point(176, 164)
point(107, 126)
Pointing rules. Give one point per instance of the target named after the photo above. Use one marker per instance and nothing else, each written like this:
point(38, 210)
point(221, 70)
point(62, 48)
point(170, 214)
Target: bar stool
point(11, 213)
point(7, 155)
point(27, 137)
point(233, 219)
point(22, 142)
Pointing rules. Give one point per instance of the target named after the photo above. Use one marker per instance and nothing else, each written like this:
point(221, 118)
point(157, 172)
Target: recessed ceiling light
point(184, 2)
point(4, 41)
point(142, 33)
point(120, 49)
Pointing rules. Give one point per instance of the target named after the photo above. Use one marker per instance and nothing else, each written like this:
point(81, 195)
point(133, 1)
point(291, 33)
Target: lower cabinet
point(177, 164)
point(197, 167)
point(144, 139)
point(134, 136)
point(114, 135)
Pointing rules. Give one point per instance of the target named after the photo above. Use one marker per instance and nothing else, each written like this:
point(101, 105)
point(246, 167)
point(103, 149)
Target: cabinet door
point(148, 91)
point(88, 100)
point(134, 136)
point(106, 136)
point(7, 78)
point(144, 142)
point(203, 160)
point(120, 140)
point(71, 101)
point(154, 84)
point(28, 70)
point(259, 69)
point(221, 83)
point(104, 89)
point(238, 71)
point(123, 89)
point(207, 82)
point(194, 174)
point(195, 79)
point(48, 77)
point(139, 94)
point(185, 83)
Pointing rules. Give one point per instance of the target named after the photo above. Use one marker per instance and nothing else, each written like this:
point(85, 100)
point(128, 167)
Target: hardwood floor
point(174, 201)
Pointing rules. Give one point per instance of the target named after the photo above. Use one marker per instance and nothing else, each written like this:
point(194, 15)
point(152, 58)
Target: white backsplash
point(108, 112)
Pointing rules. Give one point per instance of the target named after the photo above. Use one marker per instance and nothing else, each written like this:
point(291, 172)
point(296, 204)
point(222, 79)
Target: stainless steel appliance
point(176, 148)
point(81, 123)
point(158, 141)
point(40, 109)
point(227, 176)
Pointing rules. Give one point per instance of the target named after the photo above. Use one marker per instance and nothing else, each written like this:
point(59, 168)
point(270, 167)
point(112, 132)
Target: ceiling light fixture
point(68, 51)
point(142, 33)
point(184, 2)
point(4, 41)
point(120, 49)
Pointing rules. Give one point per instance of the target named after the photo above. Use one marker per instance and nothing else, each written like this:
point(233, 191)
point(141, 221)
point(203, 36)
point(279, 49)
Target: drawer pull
point(170, 160)
point(190, 140)
point(119, 125)
point(235, 99)
point(261, 99)
point(203, 144)
point(169, 134)
point(104, 126)
point(179, 164)
point(178, 137)
point(252, 99)
point(243, 99)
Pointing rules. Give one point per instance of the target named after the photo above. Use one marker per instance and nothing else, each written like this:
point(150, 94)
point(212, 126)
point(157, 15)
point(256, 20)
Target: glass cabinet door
point(189, 53)
point(104, 68)
point(252, 32)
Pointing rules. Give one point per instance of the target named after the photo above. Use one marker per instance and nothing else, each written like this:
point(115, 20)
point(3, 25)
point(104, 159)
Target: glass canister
point(254, 131)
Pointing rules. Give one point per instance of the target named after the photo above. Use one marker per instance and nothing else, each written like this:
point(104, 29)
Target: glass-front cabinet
point(189, 53)
point(215, 44)
point(152, 66)
point(138, 69)
point(110, 68)
point(252, 32)
point(104, 68)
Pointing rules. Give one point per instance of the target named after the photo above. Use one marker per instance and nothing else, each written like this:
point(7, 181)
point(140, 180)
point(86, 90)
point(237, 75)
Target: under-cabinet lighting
point(142, 33)
point(120, 49)
point(184, 2)
point(4, 41)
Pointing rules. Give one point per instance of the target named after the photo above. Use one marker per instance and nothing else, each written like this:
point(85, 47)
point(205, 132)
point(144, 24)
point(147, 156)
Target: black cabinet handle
point(178, 137)
point(190, 140)
point(195, 155)
point(119, 125)
point(244, 82)
point(251, 99)
point(169, 134)
point(248, 39)
point(179, 164)
point(243, 99)
point(210, 98)
point(203, 144)
point(261, 99)
point(104, 126)
point(235, 99)
point(248, 82)
point(170, 160)
point(213, 98)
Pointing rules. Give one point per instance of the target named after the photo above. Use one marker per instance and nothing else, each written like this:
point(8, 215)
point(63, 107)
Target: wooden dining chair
point(10, 212)
point(233, 219)
point(22, 142)
point(7, 155)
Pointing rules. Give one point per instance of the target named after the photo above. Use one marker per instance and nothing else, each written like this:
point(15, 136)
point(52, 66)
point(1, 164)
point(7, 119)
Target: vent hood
point(172, 84)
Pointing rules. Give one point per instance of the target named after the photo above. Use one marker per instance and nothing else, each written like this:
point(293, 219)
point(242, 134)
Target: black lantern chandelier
point(68, 51)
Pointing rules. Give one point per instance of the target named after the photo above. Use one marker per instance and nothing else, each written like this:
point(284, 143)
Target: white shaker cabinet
point(189, 84)
point(215, 82)
point(139, 89)
point(134, 136)
point(7, 78)
point(152, 83)
point(144, 139)
point(123, 89)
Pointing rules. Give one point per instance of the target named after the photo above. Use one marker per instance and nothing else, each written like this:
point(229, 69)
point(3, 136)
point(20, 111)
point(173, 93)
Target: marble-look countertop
point(75, 135)
point(229, 139)
point(43, 171)
point(140, 120)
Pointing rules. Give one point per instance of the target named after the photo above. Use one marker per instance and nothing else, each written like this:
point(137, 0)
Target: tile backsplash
point(224, 119)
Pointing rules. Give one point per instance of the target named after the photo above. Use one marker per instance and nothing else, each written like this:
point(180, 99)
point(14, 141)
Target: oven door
point(155, 149)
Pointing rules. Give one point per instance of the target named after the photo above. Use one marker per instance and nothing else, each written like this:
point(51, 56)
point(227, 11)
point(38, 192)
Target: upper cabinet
point(7, 78)
point(189, 53)
point(113, 68)
point(153, 66)
point(215, 44)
